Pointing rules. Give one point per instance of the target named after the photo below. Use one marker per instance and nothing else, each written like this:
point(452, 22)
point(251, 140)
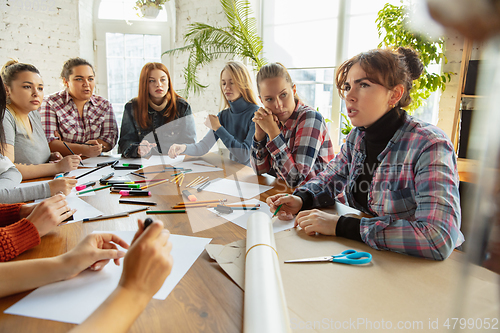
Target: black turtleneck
point(377, 136)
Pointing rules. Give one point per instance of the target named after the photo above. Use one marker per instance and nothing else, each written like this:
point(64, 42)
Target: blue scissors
point(350, 257)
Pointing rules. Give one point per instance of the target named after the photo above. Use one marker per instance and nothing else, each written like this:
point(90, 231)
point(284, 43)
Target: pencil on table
point(157, 183)
point(200, 202)
point(201, 180)
point(194, 180)
point(182, 179)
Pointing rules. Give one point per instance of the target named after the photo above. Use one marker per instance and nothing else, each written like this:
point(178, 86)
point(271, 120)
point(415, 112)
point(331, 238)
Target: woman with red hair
point(157, 117)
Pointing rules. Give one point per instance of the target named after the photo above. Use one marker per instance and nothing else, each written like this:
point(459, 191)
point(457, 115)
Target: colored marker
point(94, 189)
point(278, 209)
point(103, 178)
point(84, 186)
point(188, 195)
point(137, 174)
point(135, 193)
point(132, 165)
point(126, 167)
point(202, 186)
point(59, 175)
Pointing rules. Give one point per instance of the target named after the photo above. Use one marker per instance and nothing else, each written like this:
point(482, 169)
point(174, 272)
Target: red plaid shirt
point(59, 113)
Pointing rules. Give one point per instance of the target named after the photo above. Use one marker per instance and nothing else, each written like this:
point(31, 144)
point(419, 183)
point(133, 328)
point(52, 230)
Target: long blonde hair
point(241, 77)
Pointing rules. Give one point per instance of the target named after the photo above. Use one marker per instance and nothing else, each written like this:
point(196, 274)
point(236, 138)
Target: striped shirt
point(59, 113)
point(299, 152)
point(413, 196)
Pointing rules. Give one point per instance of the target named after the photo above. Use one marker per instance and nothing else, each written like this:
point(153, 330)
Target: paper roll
point(265, 305)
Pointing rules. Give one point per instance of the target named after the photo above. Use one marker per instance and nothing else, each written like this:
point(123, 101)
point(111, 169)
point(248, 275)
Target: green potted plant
point(149, 8)
point(206, 43)
point(392, 22)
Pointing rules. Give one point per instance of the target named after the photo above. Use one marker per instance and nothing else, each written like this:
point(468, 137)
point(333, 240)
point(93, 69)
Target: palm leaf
point(206, 43)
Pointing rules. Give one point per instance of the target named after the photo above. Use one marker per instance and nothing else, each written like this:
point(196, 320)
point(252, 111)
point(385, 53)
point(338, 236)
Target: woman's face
point(366, 101)
point(26, 91)
point(81, 83)
point(228, 87)
point(157, 85)
point(277, 95)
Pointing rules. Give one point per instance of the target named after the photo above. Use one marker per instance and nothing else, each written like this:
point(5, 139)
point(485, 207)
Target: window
point(125, 56)
point(124, 43)
point(312, 38)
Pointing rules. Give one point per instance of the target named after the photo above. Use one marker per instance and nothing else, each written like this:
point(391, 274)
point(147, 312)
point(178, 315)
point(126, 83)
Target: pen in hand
point(147, 222)
point(71, 152)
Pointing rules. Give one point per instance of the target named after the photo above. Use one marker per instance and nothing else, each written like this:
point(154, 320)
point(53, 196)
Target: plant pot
point(150, 12)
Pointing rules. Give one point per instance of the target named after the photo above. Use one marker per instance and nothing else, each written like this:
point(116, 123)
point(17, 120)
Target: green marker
point(94, 189)
point(166, 211)
point(278, 209)
point(133, 165)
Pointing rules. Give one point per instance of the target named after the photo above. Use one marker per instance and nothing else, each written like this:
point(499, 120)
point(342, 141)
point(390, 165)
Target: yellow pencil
point(194, 180)
point(182, 179)
point(157, 183)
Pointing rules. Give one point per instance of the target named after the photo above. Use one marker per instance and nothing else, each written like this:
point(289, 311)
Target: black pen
point(93, 170)
point(138, 174)
point(72, 152)
point(147, 222)
point(137, 202)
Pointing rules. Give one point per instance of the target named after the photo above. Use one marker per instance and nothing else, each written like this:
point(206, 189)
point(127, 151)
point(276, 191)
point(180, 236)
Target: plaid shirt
point(59, 113)
point(302, 150)
point(413, 195)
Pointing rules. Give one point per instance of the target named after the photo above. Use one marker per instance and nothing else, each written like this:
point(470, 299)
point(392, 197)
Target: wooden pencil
point(197, 178)
point(182, 179)
point(201, 180)
point(154, 184)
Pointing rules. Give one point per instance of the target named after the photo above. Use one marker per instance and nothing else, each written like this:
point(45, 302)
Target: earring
point(391, 106)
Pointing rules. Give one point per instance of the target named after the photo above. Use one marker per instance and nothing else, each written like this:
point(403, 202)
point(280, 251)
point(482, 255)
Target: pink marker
point(84, 186)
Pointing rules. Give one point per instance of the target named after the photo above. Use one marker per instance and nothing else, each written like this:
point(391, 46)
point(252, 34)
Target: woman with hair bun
point(396, 168)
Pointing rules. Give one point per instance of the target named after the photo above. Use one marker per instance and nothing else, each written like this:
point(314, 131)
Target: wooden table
point(205, 300)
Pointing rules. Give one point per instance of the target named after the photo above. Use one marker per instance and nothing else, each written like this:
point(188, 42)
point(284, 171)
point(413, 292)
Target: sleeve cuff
point(17, 238)
point(307, 199)
point(349, 227)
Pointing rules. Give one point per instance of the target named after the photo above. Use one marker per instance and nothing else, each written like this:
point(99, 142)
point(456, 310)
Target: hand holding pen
point(93, 148)
point(289, 205)
point(144, 147)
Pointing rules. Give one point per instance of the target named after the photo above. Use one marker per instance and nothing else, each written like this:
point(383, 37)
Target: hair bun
point(415, 66)
point(11, 62)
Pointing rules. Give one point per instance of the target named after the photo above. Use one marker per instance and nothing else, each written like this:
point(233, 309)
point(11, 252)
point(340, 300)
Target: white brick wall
point(44, 33)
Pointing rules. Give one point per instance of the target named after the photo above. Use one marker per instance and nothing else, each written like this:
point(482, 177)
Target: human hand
point(316, 221)
point(259, 133)
point(68, 163)
point(148, 261)
point(145, 147)
point(267, 121)
point(55, 157)
point(175, 150)
point(50, 213)
point(94, 150)
point(291, 205)
point(212, 122)
point(93, 252)
point(64, 185)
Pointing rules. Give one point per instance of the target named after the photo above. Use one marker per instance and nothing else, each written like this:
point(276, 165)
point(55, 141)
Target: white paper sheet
point(198, 168)
point(72, 301)
point(83, 209)
point(236, 189)
point(240, 217)
point(153, 160)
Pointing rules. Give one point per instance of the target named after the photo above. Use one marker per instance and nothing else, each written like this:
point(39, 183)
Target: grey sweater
point(11, 178)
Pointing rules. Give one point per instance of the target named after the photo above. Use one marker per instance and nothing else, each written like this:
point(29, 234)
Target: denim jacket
point(180, 130)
